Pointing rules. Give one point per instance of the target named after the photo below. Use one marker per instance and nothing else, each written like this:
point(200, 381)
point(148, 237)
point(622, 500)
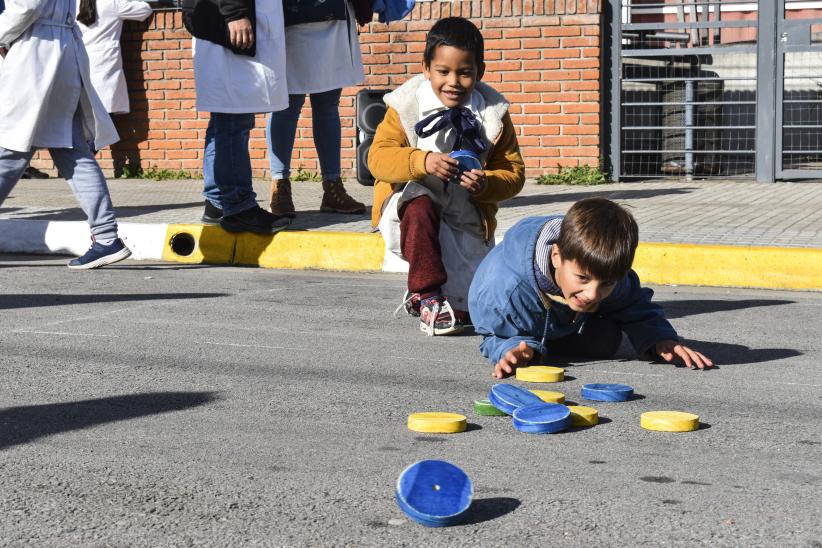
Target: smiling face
point(453, 73)
point(581, 291)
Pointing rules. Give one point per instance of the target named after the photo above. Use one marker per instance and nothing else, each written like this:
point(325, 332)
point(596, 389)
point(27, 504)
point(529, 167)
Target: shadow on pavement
point(123, 212)
point(681, 309)
point(553, 198)
point(19, 425)
point(9, 301)
point(490, 508)
point(737, 354)
point(307, 220)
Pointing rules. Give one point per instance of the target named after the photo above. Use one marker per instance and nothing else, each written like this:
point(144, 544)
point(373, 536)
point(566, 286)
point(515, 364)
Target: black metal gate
point(703, 88)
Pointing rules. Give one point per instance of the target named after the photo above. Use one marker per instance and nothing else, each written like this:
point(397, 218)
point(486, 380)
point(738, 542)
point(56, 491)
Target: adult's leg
point(12, 166)
point(420, 245)
point(231, 166)
point(210, 190)
point(600, 339)
point(80, 169)
point(280, 133)
point(325, 114)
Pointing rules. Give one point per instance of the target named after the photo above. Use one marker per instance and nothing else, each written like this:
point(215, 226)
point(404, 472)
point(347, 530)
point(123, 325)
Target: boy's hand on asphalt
point(240, 33)
point(516, 357)
point(441, 165)
point(473, 181)
point(668, 350)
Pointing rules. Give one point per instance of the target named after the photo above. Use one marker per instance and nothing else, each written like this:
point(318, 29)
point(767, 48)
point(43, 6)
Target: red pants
point(420, 244)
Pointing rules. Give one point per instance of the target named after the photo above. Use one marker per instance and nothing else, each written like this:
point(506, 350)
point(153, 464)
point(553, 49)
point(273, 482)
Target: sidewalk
point(785, 216)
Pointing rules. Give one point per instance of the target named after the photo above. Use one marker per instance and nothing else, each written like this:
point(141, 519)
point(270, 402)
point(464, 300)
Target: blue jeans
point(282, 128)
point(227, 164)
point(81, 171)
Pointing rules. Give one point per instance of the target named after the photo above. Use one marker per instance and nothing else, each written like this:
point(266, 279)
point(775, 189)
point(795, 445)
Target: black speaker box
point(370, 112)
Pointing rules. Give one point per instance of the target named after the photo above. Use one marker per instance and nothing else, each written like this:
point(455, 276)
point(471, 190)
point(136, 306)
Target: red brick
point(560, 141)
point(580, 63)
point(579, 42)
point(520, 54)
point(561, 31)
point(529, 32)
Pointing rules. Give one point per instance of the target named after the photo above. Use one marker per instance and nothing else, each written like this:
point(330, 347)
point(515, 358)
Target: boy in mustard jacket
point(432, 212)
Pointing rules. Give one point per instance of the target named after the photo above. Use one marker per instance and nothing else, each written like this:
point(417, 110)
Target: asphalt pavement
point(190, 405)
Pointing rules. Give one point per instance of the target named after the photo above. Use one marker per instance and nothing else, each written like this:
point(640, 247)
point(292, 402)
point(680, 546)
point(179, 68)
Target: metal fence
point(716, 88)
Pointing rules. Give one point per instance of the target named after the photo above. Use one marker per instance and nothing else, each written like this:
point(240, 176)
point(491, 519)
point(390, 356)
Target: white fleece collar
point(404, 101)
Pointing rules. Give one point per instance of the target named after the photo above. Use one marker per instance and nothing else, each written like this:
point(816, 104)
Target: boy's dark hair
point(456, 32)
point(600, 236)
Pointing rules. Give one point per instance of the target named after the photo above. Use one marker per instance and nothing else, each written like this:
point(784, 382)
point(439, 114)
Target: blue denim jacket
point(506, 307)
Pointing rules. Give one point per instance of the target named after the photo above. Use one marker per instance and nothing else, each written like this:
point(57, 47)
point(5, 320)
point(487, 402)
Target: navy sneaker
point(255, 220)
point(211, 214)
point(100, 255)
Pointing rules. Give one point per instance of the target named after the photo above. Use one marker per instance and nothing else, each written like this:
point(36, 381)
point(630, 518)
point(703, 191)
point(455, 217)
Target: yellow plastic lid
point(582, 415)
point(669, 421)
point(436, 422)
point(549, 396)
point(540, 373)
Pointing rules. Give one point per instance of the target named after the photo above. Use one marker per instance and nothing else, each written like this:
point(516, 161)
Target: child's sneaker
point(438, 318)
point(100, 255)
point(410, 303)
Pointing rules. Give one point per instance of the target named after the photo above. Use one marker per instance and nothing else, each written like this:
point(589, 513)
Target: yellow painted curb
point(729, 266)
point(348, 251)
point(208, 244)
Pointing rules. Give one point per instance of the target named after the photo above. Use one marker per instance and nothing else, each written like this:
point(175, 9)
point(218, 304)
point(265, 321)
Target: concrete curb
point(656, 263)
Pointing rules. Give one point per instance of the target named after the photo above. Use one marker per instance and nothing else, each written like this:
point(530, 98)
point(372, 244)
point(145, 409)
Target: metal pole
point(689, 131)
point(766, 73)
point(616, 88)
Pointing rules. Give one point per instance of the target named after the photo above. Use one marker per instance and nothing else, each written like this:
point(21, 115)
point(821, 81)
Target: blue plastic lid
point(542, 418)
point(507, 397)
point(467, 161)
point(607, 392)
point(434, 493)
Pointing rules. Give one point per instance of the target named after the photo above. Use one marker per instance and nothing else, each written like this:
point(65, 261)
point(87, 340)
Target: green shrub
point(305, 175)
point(156, 174)
point(577, 175)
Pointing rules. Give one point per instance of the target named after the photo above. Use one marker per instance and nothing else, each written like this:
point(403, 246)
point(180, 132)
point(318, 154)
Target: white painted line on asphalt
point(62, 333)
point(419, 359)
point(625, 373)
point(800, 384)
point(92, 316)
point(255, 346)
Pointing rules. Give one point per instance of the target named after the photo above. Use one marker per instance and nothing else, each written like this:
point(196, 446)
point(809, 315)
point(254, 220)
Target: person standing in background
point(233, 87)
point(322, 57)
point(47, 101)
point(101, 35)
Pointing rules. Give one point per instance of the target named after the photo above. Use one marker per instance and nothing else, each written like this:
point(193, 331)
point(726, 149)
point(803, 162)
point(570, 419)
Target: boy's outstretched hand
point(516, 357)
point(441, 165)
point(473, 181)
point(668, 350)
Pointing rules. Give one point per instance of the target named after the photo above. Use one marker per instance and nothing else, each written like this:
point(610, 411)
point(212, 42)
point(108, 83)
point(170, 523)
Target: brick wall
point(544, 55)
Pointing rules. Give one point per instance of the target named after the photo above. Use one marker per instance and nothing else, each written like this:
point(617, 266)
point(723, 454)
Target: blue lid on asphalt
point(468, 160)
point(434, 493)
point(542, 418)
point(507, 397)
point(607, 392)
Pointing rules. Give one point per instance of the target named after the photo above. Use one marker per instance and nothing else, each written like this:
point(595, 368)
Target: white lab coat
point(323, 56)
point(230, 83)
point(102, 40)
point(44, 77)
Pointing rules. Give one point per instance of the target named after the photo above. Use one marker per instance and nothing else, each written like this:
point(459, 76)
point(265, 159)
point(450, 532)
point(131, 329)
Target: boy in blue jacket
point(564, 285)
